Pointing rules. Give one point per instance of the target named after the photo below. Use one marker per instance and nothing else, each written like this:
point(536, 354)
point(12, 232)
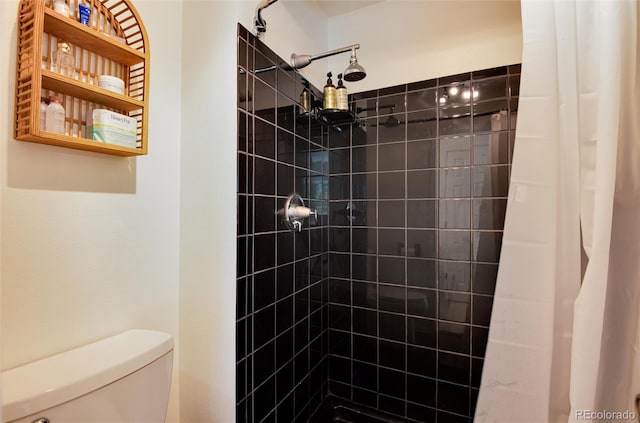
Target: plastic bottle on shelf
point(330, 95)
point(55, 116)
point(84, 13)
point(342, 102)
point(43, 113)
point(63, 59)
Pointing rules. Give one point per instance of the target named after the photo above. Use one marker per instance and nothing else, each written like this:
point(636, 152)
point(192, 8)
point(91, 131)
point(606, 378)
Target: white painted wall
point(405, 41)
point(207, 218)
point(90, 241)
point(4, 111)
point(208, 191)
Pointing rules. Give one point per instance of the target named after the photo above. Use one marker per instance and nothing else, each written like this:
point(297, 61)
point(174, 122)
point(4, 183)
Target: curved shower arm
point(259, 24)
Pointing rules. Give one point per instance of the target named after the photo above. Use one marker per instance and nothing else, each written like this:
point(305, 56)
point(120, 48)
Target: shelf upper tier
point(74, 32)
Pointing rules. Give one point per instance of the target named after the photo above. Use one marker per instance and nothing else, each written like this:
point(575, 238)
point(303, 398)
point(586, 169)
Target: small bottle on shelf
point(43, 113)
point(84, 13)
point(304, 102)
point(55, 116)
point(342, 96)
point(63, 59)
point(305, 98)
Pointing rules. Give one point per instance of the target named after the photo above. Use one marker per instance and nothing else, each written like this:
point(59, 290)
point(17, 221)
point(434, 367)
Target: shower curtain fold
point(563, 335)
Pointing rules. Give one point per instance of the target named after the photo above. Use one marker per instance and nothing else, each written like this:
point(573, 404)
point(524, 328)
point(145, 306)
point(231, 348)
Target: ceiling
point(339, 7)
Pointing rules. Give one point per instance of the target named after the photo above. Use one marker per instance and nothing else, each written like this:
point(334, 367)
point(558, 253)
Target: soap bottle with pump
point(342, 101)
point(330, 95)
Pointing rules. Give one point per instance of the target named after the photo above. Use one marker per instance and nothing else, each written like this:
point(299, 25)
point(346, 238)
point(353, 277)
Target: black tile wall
point(417, 199)
point(282, 278)
point(386, 299)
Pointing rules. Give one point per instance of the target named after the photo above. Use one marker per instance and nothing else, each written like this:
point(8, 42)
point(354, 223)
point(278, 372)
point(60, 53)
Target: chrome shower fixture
point(294, 212)
point(259, 24)
point(353, 72)
point(391, 121)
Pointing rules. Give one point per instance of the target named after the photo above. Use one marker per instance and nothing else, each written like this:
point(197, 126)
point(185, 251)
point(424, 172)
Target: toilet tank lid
point(51, 381)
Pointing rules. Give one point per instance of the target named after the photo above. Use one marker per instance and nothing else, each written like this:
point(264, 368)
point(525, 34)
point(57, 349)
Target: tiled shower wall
point(418, 191)
point(281, 339)
point(402, 262)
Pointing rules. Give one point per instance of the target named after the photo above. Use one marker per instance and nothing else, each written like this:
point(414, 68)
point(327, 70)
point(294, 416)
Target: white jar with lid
point(61, 7)
point(54, 121)
point(111, 83)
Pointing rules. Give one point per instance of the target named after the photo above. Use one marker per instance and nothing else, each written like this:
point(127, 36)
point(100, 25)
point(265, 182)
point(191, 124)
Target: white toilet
point(122, 379)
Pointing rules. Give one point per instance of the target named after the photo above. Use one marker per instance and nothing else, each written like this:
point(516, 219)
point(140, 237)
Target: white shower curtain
point(563, 341)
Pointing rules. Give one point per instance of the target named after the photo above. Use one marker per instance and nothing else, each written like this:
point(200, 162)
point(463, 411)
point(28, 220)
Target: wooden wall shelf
point(114, 43)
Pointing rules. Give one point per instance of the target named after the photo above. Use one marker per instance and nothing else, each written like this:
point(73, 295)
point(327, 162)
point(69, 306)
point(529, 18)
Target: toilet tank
point(124, 378)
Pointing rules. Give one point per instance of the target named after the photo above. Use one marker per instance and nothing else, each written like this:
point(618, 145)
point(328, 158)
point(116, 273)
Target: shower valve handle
point(294, 211)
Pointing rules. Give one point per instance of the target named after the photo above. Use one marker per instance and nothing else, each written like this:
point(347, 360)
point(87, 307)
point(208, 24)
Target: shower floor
point(335, 410)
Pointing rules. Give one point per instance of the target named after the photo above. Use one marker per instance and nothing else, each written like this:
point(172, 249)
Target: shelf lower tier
point(336, 117)
point(59, 140)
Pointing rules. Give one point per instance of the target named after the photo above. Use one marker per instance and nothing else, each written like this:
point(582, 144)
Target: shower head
point(391, 121)
point(354, 72)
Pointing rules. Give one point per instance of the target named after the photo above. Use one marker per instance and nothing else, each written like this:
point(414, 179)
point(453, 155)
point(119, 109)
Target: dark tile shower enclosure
point(379, 311)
